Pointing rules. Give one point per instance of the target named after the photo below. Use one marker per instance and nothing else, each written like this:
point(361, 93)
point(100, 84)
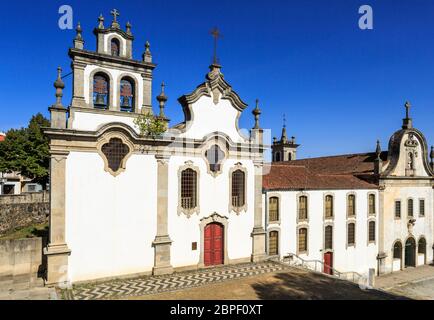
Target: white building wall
point(110, 221)
point(213, 198)
point(359, 258)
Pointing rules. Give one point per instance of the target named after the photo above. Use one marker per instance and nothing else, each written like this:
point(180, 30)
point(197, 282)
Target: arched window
point(302, 208)
point(101, 91)
point(421, 247)
point(127, 95)
point(188, 189)
point(277, 159)
point(398, 209)
point(215, 156)
point(115, 47)
point(329, 206)
point(422, 207)
point(328, 238)
point(238, 187)
point(397, 250)
point(302, 240)
point(351, 205)
point(273, 209)
point(371, 204)
point(371, 231)
point(289, 156)
point(410, 208)
point(351, 234)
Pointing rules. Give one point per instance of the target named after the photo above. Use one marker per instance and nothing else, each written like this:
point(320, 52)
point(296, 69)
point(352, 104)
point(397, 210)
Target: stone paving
point(24, 288)
point(391, 280)
point(177, 281)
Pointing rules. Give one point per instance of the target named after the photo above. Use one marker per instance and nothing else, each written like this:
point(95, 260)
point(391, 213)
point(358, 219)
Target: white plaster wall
point(397, 228)
point(359, 258)
point(213, 198)
point(115, 74)
point(94, 121)
point(122, 41)
point(110, 221)
point(209, 117)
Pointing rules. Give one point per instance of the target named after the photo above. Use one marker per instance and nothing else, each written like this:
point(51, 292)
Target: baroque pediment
point(216, 87)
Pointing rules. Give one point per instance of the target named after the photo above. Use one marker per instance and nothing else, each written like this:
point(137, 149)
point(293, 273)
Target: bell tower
point(109, 81)
point(284, 149)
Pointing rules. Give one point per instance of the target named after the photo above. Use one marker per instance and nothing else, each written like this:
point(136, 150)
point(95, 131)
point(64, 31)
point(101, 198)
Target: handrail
point(306, 264)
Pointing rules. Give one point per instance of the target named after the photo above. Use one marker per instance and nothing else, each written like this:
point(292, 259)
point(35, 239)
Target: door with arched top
point(410, 253)
point(213, 244)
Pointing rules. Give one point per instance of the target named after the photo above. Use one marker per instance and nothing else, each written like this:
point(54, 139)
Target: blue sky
point(340, 87)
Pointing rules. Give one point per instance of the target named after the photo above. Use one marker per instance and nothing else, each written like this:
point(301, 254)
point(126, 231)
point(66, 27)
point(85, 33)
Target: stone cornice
point(119, 31)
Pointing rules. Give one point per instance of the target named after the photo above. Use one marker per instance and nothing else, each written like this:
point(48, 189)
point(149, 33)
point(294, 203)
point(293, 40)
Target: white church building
point(199, 194)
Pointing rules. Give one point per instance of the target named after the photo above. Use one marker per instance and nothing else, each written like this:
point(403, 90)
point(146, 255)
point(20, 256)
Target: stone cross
point(115, 13)
point(407, 109)
point(216, 35)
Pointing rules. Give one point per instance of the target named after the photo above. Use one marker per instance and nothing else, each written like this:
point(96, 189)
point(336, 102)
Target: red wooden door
point(328, 262)
point(213, 244)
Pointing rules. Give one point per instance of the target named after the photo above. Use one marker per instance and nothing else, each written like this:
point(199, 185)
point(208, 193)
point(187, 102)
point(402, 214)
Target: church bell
point(100, 101)
point(126, 103)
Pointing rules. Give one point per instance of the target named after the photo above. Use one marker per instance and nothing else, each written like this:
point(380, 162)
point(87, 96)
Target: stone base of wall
point(22, 210)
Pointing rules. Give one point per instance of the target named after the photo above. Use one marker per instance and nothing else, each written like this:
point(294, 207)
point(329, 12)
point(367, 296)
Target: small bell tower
point(284, 149)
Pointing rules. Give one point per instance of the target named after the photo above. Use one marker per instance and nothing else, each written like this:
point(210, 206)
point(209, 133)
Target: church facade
point(198, 194)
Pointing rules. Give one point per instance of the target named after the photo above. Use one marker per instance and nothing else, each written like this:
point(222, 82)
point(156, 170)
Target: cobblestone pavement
point(178, 281)
point(409, 275)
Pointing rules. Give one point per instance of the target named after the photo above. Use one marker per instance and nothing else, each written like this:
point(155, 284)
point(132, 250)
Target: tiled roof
point(355, 171)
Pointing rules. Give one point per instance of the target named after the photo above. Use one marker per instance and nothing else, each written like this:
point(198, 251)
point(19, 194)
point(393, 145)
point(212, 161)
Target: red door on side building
point(213, 244)
point(328, 262)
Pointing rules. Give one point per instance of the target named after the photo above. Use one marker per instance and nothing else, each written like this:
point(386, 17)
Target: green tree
point(26, 150)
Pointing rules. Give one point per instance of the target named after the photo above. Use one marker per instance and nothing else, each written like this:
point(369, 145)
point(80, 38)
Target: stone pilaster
point(57, 251)
point(381, 257)
point(147, 92)
point(78, 88)
point(258, 233)
point(162, 242)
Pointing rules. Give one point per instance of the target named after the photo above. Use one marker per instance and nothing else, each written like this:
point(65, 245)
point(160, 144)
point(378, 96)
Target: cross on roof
point(216, 35)
point(284, 120)
point(115, 13)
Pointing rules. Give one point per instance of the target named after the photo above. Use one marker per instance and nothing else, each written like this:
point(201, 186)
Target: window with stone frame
point(115, 151)
point(214, 155)
point(188, 189)
point(101, 91)
point(371, 200)
point(410, 207)
point(302, 240)
point(422, 207)
point(371, 231)
point(115, 47)
point(238, 188)
point(328, 238)
point(397, 250)
point(273, 209)
point(398, 209)
point(329, 206)
point(351, 205)
point(302, 208)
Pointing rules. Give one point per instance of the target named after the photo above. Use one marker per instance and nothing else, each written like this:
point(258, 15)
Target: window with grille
point(422, 207)
point(302, 208)
point(238, 187)
point(329, 206)
point(273, 209)
point(188, 189)
point(302, 239)
point(351, 206)
point(115, 151)
point(371, 231)
point(115, 47)
point(397, 250)
point(351, 234)
point(100, 91)
point(372, 204)
point(410, 208)
point(398, 209)
point(328, 238)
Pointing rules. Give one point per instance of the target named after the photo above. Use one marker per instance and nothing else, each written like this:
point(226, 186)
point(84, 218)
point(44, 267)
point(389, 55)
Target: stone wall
point(21, 258)
point(23, 210)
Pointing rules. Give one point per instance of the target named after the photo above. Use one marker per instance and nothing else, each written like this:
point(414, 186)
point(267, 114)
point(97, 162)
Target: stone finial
point(128, 28)
point(256, 113)
point(147, 56)
point(101, 22)
point(162, 98)
point(292, 140)
point(115, 13)
point(274, 140)
point(78, 40)
point(284, 137)
point(378, 150)
point(59, 85)
point(407, 122)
